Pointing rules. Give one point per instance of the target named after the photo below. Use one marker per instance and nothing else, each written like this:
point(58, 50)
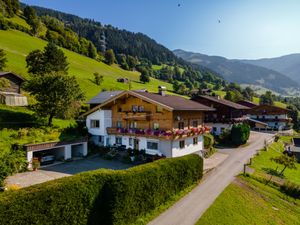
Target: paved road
point(189, 209)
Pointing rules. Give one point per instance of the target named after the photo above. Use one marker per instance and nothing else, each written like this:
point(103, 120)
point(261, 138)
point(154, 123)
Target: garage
point(49, 152)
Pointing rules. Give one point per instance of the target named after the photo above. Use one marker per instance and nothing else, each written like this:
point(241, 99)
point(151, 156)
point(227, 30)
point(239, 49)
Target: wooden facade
point(15, 82)
point(226, 111)
point(133, 112)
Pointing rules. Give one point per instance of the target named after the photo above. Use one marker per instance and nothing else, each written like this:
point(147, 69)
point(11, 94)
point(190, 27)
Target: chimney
point(162, 90)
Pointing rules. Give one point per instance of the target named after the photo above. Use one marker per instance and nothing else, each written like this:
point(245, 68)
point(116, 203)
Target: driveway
point(189, 209)
point(63, 170)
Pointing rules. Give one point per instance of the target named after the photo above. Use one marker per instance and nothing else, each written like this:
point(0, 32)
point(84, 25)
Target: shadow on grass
point(17, 119)
point(273, 172)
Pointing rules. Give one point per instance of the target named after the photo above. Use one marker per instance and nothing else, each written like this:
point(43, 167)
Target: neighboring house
point(247, 103)
point(11, 94)
point(226, 114)
point(123, 80)
point(102, 97)
point(275, 117)
point(295, 148)
point(157, 123)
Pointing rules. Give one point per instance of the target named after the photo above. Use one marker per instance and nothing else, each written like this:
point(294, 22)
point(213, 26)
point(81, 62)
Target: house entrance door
point(136, 144)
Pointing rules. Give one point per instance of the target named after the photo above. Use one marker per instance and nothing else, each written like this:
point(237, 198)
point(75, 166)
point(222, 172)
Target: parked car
point(45, 158)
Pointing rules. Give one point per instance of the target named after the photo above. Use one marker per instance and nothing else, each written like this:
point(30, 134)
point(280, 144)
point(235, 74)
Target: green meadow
point(17, 45)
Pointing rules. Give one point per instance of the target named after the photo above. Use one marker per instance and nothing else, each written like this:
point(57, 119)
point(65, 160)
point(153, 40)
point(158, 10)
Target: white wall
point(219, 127)
point(105, 118)
point(189, 147)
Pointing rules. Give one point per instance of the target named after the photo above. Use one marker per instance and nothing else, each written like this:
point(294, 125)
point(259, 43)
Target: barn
point(10, 90)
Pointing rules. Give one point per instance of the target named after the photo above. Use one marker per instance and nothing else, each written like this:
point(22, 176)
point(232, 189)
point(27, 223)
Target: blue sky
point(248, 29)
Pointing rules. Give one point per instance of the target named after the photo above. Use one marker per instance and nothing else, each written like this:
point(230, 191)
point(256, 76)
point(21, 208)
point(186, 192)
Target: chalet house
point(274, 117)
point(295, 148)
point(158, 123)
point(226, 114)
point(11, 94)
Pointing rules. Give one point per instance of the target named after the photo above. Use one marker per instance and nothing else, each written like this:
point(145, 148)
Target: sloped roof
point(3, 74)
point(103, 96)
point(175, 102)
point(267, 110)
point(222, 101)
point(169, 102)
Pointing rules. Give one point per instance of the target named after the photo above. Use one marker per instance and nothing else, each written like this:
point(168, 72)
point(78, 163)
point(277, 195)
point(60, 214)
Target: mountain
point(241, 72)
point(287, 64)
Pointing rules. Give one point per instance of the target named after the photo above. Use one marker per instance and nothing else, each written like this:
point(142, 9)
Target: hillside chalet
point(11, 93)
point(226, 114)
point(274, 118)
point(158, 123)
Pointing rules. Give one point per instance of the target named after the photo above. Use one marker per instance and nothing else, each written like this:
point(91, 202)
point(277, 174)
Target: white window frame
point(93, 123)
point(152, 142)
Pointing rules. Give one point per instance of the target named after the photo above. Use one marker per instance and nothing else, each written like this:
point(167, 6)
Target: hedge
point(101, 196)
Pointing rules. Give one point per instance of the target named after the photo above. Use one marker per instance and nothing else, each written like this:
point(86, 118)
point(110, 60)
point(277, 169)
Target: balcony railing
point(138, 115)
point(163, 134)
point(224, 120)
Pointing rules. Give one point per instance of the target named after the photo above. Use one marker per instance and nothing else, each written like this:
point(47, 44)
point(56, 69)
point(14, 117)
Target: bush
point(208, 140)
point(291, 189)
point(240, 133)
point(101, 196)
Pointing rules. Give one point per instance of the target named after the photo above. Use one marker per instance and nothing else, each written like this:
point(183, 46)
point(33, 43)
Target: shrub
point(101, 196)
point(208, 140)
point(240, 133)
point(291, 189)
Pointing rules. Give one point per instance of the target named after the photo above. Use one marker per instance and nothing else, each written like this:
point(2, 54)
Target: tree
point(98, 78)
point(92, 51)
point(32, 19)
point(3, 59)
point(52, 59)
point(248, 93)
point(144, 77)
point(266, 99)
point(132, 62)
point(240, 133)
point(57, 95)
point(286, 161)
point(110, 57)
point(233, 95)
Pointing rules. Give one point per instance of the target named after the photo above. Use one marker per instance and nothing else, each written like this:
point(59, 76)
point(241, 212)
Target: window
point(181, 144)
point(119, 140)
point(276, 117)
point(152, 145)
point(135, 108)
point(214, 129)
point(195, 123)
point(130, 142)
point(101, 139)
point(119, 124)
point(95, 123)
point(141, 108)
point(133, 124)
point(120, 109)
point(195, 140)
point(181, 125)
point(159, 109)
point(155, 126)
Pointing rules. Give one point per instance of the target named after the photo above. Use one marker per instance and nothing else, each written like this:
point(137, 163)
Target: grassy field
point(263, 165)
point(17, 45)
point(247, 201)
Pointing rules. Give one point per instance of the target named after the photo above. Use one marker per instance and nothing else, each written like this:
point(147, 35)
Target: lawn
point(247, 201)
point(17, 45)
point(262, 163)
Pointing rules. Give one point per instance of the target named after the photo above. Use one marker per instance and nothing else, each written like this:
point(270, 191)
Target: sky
point(236, 29)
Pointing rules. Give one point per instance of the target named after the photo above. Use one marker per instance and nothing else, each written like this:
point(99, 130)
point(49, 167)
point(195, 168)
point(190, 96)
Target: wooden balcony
point(129, 115)
point(159, 134)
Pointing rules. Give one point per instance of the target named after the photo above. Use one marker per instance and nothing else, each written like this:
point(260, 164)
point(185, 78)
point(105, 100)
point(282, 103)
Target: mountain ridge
point(241, 72)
